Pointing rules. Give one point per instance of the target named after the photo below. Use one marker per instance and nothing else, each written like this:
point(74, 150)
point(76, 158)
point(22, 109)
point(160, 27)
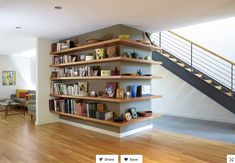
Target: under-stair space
point(207, 71)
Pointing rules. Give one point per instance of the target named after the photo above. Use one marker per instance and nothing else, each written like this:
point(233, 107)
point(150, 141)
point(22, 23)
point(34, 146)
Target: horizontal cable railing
point(217, 67)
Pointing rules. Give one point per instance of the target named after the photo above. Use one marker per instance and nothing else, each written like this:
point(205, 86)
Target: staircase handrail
point(209, 51)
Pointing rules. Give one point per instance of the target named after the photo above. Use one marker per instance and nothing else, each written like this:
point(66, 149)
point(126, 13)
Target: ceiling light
point(58, 7)
point(18, 27)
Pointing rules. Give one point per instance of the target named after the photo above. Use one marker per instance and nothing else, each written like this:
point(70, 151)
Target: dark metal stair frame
point(208, 89)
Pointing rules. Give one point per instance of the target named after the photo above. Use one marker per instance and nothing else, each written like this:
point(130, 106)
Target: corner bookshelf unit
point(119, 106)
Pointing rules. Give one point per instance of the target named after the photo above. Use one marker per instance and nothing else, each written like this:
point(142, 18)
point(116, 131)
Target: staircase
point(207, 71)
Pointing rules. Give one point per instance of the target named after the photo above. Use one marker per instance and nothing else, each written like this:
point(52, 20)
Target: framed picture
point(99, 53)
point(133, 112)
point(110, 89)
point(100, 107)
point(93, 94)
point(9, 78)
point(120, 93)
point(146, 90)
point(83, 88)
point(105, 73)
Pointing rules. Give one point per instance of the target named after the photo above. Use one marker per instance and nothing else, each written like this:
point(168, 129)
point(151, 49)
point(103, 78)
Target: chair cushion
point(21, 100)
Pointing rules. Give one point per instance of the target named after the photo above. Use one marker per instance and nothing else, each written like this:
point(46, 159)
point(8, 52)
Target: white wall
point(181, 99)
point(217, 36)
point(25, 73)
point(43, 73)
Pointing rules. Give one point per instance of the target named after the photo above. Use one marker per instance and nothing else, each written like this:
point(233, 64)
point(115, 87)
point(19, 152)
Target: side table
point(7, 106)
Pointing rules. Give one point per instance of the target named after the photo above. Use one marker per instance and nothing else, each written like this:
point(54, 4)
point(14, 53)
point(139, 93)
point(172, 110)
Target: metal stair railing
point(215, 66)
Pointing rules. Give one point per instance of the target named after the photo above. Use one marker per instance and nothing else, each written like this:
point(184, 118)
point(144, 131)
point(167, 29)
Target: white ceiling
point(38, 18)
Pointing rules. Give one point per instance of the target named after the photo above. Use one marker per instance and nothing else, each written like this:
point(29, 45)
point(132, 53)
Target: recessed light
point(58, 7)
point(18, 27)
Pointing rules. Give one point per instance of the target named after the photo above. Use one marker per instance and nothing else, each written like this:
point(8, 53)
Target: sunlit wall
point(24, 63)
point(218, 36)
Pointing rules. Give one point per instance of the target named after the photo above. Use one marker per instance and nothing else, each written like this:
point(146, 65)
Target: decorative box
point(104, 115)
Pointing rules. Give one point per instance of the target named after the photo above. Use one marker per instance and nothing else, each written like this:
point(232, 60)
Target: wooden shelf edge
point(107, 78)
point(121, 59)
point(109, 122)
point(105, 99)
point(111, 42)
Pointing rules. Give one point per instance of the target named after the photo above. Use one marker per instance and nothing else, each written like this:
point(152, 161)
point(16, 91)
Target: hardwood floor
point(21, 141)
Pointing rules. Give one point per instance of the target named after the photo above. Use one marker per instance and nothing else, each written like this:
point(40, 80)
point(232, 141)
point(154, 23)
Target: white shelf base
point(106, 132)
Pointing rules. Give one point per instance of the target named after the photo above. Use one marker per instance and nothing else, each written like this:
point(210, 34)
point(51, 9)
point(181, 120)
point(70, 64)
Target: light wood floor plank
point(21, 141)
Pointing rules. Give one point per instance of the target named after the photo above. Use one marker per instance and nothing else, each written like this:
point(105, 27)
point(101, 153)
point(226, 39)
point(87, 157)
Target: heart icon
point(101, 159)
point(125, 159)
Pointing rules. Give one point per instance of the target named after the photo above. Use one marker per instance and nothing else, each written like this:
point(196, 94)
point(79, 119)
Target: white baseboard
point(207, 118)
point(131, 132)
point(106, 132)
point(45, 122)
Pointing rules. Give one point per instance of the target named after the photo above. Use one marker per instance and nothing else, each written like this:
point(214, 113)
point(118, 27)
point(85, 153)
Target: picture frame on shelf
point(111, 51)
point(105, 73)
point(146, 90)
point(83, 88)
point(133, 112)
point(120, 93)
point(100, 107)
point(93, 94)
point(99, 53)
point(111, 89)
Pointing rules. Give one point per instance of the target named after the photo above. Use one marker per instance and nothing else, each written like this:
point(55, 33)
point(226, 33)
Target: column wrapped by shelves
point(98, 83)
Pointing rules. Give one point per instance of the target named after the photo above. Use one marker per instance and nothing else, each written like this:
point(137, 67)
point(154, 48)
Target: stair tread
point(189, 69)
point(218, 87)
point(173, 59)
point(229, 93)
point(198, 75)
point(208, 81)
point(181, 64)
point(166, 55)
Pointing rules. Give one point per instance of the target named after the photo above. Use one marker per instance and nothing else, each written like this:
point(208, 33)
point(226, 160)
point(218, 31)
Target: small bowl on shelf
point(118, 119)
point(124, 37)
point(92, 41)
point(145, 113)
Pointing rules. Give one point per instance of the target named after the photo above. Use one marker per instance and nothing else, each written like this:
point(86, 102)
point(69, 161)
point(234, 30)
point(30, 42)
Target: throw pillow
point(22, 94)
point(18, 91)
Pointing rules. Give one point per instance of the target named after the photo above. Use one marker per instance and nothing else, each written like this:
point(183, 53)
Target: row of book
point(78, 71)
point(77, 89)
point(65, 59)
point(73, 106)
point(81, 108)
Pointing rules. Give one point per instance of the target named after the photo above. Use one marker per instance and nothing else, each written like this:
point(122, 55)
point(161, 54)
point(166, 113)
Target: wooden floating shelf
point(107, 78)
point(114, 59)
point(109, 122)
point(107, 43)
point(106, 99)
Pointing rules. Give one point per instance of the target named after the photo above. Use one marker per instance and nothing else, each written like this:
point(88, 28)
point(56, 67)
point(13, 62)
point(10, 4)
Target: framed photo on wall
point(8, 78)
